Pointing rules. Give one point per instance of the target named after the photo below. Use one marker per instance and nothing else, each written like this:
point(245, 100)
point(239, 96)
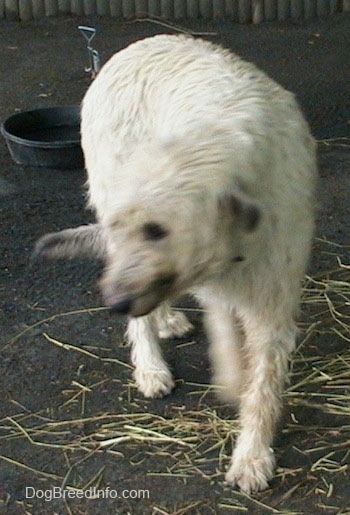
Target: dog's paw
point(175, 324)
point(250, 474)
point(154, 383)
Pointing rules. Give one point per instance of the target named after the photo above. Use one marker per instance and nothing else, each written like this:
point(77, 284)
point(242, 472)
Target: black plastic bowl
point(48, 137)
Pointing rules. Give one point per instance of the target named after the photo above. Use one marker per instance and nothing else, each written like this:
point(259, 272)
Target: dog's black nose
point(121, 306)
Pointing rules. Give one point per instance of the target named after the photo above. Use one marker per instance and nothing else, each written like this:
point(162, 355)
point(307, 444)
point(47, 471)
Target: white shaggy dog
point(201, 170)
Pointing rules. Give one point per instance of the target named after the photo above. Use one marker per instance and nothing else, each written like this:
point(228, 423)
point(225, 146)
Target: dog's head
point(164, 246)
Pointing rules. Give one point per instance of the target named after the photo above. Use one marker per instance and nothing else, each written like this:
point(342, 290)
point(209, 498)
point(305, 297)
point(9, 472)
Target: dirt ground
point(70, 416)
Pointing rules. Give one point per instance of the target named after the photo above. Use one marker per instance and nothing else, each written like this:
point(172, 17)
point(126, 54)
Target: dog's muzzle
point(140, 303)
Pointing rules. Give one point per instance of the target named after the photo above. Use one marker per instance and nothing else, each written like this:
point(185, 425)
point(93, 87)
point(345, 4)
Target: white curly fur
point(179, 132)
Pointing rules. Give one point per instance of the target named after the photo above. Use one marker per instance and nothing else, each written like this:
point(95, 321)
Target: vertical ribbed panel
point(102, 7)
point(167, 8)
point(116, 7)
point(180, 9)
point(258, 11)
point(64, 6)
point(333, 6)
point(206, 8)
point(270, 10)
point(193, 8)
point(218, 9)
point(51, 7)
point(89, 7)
point(128, 9)
point(310, 8)
point(25, 10)
point(297, 8)
point(141, 8)
point(154, 8)
point(38, 8)
point(231, 8)
point(283, 9)
point(322, 7)
point(11, 9)
point(77, 7)
point(243, 11)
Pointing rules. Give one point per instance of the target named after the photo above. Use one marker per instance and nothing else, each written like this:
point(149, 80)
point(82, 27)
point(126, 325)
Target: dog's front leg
point(152, 375)
point(253, 461)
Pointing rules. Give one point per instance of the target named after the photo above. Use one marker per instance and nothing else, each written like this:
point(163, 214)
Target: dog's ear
point(236, 206)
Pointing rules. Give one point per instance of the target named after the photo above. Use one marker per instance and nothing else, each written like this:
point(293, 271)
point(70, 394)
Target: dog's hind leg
point(171, 322)
point(226, 341)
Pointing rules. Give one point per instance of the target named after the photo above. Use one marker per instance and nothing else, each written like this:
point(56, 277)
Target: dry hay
point(341, 142)
point(198, 441)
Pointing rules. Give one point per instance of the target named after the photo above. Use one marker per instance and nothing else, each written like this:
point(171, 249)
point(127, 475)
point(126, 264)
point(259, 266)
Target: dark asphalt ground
point(45, 413)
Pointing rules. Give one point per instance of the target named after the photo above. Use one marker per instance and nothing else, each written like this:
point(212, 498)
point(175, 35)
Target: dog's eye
point(154, 231)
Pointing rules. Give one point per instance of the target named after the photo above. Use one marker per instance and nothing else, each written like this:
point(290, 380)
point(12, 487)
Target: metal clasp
point(94, 59)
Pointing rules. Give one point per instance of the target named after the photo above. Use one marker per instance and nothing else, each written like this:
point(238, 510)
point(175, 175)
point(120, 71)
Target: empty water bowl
point(48, 137)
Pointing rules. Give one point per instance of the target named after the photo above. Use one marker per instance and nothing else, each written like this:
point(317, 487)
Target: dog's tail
point(85, 241)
